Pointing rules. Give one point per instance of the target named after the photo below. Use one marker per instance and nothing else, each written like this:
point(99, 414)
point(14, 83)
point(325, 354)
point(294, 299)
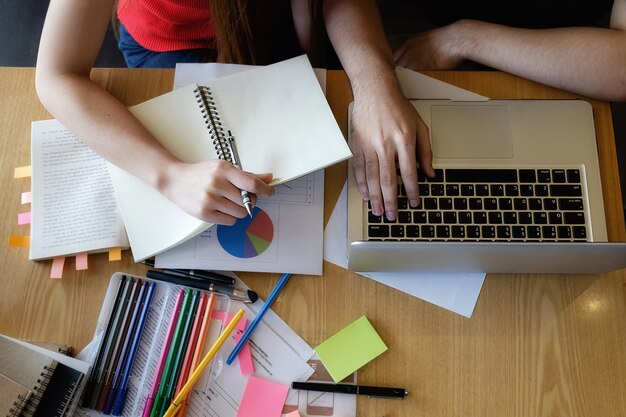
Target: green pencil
point(180, 354)
point(169, 362)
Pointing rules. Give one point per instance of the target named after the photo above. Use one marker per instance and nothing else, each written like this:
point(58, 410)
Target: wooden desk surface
point(535, 346)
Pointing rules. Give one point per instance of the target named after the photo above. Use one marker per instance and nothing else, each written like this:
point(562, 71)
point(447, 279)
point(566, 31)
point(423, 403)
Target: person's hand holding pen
point(211, 190)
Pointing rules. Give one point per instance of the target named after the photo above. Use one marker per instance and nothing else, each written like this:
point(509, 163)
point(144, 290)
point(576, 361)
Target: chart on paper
point(248, 237)
point(274, 239)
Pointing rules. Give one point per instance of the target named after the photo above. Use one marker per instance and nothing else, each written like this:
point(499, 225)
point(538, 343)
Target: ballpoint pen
point(197, 274)
point(234, 154)
point(247, 296)
point(378, 392)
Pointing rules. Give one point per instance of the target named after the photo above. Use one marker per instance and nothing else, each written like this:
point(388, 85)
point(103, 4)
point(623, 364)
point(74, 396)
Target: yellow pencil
point(173, 408)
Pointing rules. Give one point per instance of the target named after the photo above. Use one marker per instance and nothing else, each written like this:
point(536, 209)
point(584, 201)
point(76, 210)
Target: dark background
point(20, 28)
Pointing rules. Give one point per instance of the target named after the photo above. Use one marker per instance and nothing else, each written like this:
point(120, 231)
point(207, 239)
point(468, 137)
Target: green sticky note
point(350, 349)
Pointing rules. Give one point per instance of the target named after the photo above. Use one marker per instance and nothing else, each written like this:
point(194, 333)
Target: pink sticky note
point(23, 218)
point(27, 197)
point(57, 267)
point(245, 356)
point(294, 413)
point(81, 262)
point(262, 398)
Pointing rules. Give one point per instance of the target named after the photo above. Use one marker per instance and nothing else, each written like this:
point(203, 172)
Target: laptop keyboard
point(495, 205)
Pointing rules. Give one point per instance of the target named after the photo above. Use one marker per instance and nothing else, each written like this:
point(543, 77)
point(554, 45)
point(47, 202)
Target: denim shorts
point(136, 56)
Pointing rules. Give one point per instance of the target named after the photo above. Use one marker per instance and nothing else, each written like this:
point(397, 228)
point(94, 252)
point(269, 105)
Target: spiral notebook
point(55, 381)
point(281, 123)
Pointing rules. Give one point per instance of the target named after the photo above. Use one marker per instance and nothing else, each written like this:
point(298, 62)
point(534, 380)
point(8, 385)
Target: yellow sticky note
point(19, 241)
point(350, 349)
point(115, 254)
point(22, 172)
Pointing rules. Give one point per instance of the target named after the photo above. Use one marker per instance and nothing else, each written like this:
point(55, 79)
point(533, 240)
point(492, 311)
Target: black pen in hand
point(234, 155)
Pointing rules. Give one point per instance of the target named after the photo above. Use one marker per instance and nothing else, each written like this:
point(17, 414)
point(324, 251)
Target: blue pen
point(120, 399)
point(257, 319)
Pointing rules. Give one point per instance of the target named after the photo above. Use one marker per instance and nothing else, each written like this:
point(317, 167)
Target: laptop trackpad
point(471, 131)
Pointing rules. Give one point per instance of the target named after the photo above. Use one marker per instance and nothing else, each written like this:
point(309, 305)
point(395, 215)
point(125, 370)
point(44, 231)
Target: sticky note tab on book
point(350, 349)
point(22, 172)
point(19, 241)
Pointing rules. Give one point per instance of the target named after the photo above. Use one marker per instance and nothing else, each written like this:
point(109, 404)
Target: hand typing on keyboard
point(495, 205)
point(385, 129)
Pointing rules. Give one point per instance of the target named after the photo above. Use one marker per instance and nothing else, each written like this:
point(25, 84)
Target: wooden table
point(536, 345)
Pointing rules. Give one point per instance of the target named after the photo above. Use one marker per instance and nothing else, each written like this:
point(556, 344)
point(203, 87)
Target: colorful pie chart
point(248, 237)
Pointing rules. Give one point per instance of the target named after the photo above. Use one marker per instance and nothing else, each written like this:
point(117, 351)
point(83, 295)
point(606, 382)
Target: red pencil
point(192, 345)
point(200, 346)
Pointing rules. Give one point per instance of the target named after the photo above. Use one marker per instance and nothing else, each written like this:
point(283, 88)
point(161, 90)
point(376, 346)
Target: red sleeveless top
point(168, 25)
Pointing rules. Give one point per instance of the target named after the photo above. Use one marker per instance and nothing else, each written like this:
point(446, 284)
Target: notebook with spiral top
point(47, 383)
point(280, 120)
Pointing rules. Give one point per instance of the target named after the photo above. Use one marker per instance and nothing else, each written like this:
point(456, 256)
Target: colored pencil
point(169, 362)
point(259, 316)
point(103, 350)
point(169, 334)
point(192, 344)
point(204, 331)
point(118, 345)
point(173, 408)
point(178, 356)
point(120, 399)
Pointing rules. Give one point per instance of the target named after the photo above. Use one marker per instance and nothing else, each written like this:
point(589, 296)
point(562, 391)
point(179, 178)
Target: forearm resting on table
point(584, 60)
point(105, 124)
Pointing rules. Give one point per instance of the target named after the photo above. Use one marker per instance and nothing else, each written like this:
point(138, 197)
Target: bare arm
point(585, 60)
point(385, 126)
point(71, 39)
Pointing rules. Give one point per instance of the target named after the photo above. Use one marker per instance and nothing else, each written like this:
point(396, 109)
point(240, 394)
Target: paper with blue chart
point(274, 239)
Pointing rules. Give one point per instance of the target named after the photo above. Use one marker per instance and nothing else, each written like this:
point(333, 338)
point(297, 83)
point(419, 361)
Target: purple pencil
point(161, 363)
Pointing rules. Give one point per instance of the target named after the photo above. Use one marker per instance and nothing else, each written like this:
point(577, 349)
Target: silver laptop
point(518, 189)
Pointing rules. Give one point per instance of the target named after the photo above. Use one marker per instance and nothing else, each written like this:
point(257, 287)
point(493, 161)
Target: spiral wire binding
point(18, 406)
point(38, 390)
point(211, 117)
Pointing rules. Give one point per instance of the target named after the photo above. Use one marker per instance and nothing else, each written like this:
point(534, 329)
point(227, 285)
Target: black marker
point(373, 392)
point(196, 274)
point(247, 296)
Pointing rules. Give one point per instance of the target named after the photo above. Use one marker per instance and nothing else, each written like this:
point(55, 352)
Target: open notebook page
point(281, 122)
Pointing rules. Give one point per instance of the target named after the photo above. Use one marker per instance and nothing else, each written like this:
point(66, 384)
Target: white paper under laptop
point(500, 135)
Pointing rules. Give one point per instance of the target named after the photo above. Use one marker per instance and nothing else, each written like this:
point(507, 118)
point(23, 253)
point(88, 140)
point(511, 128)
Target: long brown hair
point(238, 40)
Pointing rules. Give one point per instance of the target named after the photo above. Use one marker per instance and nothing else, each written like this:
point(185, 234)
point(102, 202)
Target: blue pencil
point(258, 318)
point(118, 405)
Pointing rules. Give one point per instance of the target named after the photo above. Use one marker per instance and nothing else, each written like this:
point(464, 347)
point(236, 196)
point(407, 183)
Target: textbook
point(277, 115)
point(73, 206)
point(49, 383)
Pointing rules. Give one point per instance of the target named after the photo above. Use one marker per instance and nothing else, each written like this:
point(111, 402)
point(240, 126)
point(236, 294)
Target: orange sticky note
point(294, 413)
point(27, 197)
point(81, 262)
point(23, 218)
point(115, 254)
point(19, 241)
point(57, 267)
point(22, 172)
